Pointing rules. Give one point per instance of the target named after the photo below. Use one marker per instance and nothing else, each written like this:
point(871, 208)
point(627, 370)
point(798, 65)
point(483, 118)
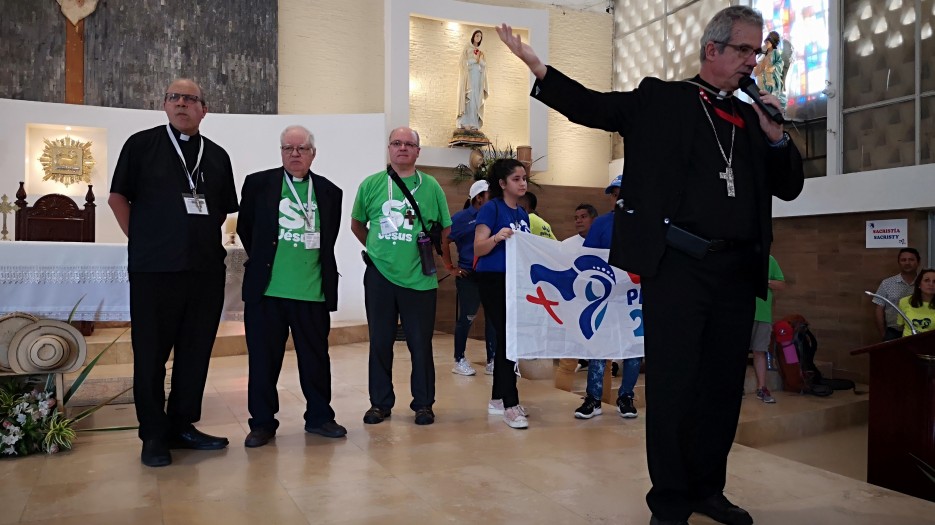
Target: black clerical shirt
point(163, 236)
point(705, 207)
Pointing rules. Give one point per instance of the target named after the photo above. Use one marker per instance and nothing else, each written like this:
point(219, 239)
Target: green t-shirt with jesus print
point(394, 252)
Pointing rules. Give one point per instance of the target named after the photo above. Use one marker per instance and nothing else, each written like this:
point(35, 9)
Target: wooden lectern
point(902, 414)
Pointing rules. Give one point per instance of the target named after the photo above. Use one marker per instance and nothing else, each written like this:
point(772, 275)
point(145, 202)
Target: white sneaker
point(489, 368)
point(463, 368)
point(515, 417)
point(495, 407)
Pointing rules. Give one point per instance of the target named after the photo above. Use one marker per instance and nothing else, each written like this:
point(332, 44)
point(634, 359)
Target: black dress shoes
point(376, 415)
point(155, 453)
point(720, 509)
point(329, 430)
point(194, 439)
point(258, 437)
point(656, 521)
point(425, 416)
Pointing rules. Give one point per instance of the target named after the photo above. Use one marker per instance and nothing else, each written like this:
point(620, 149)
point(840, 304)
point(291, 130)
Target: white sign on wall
point(892, 233)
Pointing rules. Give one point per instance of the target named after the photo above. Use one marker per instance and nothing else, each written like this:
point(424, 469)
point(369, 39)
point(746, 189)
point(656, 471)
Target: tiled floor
point(467, 468)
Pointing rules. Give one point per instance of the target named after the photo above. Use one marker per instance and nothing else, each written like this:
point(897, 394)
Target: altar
point(47, 279)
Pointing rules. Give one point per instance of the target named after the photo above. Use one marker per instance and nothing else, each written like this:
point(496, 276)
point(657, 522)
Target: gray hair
point(722, 24)
point(309, 140)
point(414, 132)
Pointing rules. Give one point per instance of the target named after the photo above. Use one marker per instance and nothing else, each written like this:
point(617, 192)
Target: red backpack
point(794, 346)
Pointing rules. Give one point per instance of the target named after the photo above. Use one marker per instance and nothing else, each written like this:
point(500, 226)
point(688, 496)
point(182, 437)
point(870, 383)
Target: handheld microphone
point(748, 85)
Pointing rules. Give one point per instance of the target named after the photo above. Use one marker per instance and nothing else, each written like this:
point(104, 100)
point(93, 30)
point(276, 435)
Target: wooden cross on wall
point(75, 11)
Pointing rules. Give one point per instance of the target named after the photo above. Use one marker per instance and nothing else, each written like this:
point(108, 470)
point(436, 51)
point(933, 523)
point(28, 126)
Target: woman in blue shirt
point(496, 222)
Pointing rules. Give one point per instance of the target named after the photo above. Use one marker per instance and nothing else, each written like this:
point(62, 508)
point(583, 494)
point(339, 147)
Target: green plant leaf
point(87, 370)
point(94, 409)
point(107, 429)
point(75, 308)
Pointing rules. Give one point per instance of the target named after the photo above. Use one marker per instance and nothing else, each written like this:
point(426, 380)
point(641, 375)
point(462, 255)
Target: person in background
point(584, 216)
point(171, 192)
point(599, 236)
point(396, 286)
point(537, 224)
point(920, 306)
point(463, 225)
point(895, 288)
point(496, 222)
point(288, 224)
point(762, 328)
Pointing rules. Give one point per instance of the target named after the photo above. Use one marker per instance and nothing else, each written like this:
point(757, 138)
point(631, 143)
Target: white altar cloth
point(47, 279)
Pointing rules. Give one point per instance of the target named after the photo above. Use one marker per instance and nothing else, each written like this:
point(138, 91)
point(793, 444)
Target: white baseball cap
point(477, 188)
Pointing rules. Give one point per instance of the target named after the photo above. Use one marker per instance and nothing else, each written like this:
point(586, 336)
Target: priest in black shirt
point(171, 192)
point(700, 171)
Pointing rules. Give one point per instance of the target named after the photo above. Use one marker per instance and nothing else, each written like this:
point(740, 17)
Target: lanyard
point(307, 209)
point(733, 118)
point(192, 183)
point(389, 187)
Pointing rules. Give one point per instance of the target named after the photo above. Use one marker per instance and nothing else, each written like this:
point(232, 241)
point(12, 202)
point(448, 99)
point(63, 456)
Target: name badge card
point(195, 204)
point(387, 226)
point(312, 240)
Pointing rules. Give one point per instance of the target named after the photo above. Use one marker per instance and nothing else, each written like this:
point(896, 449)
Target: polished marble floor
point(467, 468)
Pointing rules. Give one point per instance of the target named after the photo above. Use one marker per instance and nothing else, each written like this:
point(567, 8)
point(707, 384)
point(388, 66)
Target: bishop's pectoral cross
point(409, 216)
point(728, 175)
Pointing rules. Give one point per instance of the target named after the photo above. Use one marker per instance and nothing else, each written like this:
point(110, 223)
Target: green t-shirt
point(296, 271)
point(764, 309)
point(923, 317)
point(395, 253)
point(538, 226)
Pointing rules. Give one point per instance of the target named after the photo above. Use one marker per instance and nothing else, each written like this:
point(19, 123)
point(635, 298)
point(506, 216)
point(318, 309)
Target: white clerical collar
point(720, 94)
point(182, 136)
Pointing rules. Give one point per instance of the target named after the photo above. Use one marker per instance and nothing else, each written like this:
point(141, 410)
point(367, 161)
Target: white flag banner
point(567, 301)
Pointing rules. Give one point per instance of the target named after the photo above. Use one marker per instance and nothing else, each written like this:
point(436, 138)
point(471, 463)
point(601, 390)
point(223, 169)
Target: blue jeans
point(468, 303)
point(631, 372)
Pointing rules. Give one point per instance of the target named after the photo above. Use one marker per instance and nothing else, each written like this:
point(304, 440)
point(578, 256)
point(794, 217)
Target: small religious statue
point(6, 208)
point(472, 94)
point(769, 70)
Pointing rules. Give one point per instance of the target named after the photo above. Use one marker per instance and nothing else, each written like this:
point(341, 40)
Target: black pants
point(697, 317)
point(493, 296)
point(180, 311)
point(267, 323)
point(386, 304)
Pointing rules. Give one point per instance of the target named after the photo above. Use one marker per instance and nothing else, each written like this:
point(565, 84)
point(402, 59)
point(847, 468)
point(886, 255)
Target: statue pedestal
point(468, 138)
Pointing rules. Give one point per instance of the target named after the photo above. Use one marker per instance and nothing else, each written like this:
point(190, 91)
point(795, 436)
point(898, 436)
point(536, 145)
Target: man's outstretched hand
point(522, 50)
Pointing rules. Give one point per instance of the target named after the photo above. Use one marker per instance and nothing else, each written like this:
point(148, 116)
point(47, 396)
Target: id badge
point(387, 226)
point(195, 204)
point(312, 240)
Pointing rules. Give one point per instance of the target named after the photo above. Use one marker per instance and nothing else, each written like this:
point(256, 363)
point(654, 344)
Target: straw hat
point(9, 325)
point(47, 346)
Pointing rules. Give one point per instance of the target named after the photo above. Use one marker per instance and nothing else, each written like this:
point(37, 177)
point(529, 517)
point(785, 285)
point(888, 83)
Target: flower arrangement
point(29, 421)
point(482, 160)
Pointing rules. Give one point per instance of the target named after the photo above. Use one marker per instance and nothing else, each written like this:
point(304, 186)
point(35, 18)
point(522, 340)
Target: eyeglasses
point(191, 99)
point(288, 150)
point(399, 144)
point(743, 50)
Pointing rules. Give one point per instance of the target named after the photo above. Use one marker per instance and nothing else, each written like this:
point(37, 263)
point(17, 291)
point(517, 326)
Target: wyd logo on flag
point(566, 301)
point(594, 278)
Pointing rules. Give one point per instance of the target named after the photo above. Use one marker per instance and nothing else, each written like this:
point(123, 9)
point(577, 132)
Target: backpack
point(794, 346)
